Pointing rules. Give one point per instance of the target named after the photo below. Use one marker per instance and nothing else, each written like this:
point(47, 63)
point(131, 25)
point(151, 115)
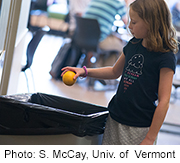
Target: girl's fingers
point(65, 69)
point(76, 76)
point(64, 72)
point(76, 70)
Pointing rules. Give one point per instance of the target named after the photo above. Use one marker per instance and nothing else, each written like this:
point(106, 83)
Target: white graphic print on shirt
point(133, 70)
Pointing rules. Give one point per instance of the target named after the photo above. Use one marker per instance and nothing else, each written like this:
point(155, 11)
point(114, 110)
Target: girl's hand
point(147, 141)
point(78, 71)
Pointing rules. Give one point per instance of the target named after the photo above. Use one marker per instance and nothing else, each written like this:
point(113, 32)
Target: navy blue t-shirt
point(135, 100)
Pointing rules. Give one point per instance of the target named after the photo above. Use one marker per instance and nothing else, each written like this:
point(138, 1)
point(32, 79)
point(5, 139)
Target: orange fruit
point(68, 78)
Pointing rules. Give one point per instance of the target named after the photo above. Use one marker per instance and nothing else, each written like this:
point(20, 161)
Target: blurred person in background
point(104, 11)
point(176, 15)
point(76, 7)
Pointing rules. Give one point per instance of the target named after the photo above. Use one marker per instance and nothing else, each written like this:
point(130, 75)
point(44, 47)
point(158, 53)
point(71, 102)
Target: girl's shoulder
point(168, 60)
point(132, 44)
point(168, 55)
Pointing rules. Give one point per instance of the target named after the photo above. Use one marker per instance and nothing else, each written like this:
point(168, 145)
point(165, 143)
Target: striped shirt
point(104, 11)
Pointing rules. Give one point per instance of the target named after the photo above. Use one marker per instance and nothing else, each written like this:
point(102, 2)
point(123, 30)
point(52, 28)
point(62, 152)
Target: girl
point(147, 66)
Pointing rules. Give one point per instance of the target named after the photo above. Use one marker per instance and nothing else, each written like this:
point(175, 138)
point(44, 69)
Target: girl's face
point(137, 26)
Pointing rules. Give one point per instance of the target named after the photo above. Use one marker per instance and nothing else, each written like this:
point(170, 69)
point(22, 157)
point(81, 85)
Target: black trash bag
point(43, 114)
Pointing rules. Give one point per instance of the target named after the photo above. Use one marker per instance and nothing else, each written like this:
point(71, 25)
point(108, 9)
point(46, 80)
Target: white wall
point(13, 22)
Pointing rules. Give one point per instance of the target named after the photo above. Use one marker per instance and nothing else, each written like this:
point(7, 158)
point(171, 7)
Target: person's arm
point(100, 73)
point(108, 72)
point(164, 93)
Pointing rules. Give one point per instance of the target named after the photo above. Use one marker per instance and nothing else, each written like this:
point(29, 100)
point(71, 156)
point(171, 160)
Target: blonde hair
point(157, 16)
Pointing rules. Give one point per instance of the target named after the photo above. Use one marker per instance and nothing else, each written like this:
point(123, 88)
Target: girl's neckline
point(138, 41)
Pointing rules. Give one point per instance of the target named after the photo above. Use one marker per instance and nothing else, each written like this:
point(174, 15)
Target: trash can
point(47, 119)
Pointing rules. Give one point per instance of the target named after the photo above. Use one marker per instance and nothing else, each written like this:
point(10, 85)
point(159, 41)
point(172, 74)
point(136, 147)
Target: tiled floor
point(41, 66)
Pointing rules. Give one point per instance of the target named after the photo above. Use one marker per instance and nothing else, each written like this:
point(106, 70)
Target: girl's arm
point(100, 73)
point(164, 93)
